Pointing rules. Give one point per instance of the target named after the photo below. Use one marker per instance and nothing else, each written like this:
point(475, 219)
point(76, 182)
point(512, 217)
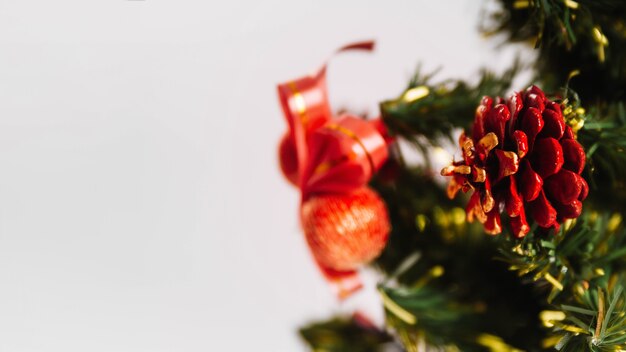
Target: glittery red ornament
point(346, 230)
point(288, 159)
point(521, 159)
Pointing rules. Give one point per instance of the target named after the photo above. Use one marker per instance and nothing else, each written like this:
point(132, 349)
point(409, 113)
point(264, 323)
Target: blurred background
point(141, 203)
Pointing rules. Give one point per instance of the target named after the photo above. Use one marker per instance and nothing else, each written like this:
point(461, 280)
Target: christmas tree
point(519, 243)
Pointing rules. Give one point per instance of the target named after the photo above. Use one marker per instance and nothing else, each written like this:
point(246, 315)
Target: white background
point(141, 204)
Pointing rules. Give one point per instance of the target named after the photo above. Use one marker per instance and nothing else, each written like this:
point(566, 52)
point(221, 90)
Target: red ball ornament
point(347, 230)
point(288, 159)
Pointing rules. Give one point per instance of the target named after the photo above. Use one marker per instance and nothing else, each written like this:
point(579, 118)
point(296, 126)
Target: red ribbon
point(334, 156)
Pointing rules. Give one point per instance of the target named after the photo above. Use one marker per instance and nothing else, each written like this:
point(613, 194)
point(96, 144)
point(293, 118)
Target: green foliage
point(433, 110)
point(596, 323)
point(604, 139)
point(423, 315)
point(422, 216)
point(470, 317)
point(440, 269)
point(584, 35)
point(343, 334)
point(583, 251)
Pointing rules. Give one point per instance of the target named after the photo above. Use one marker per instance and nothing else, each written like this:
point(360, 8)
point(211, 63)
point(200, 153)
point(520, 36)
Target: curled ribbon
point(334, 156)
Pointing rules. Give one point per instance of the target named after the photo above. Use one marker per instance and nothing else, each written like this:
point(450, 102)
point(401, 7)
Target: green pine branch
point(584, 35)
point(595, 322)
point(604, 139)
point(427, 110)
point(582, 251)
point(347, 334)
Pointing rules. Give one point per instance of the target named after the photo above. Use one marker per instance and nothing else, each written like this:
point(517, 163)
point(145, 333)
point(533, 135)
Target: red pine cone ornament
point(521, 159)
point(346, 230)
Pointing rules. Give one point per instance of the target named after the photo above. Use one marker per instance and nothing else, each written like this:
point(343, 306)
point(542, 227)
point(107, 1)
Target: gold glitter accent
point(553, 281)
point(480, 174)
point(416, 93)
point(298, 99)
point(421, 221)
point(495, 344)
point(448, 170)
point(488, 142)
point(327, 165)
point(574, 329)
point(356, 138)
point(548, 317)
point(601, 41)
point(521, 4)
point(511, 165)
point(550, 342)
point(614, 222)
point(458, 215)
point(453, 187)
point(463, 170)
point(440, 217)
point(435, 272)
point(574, 117)
point(487, 202)
point(468, 148)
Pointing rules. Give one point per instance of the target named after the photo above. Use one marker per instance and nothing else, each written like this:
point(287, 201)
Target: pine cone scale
point(531, 124)
point(514, 202)
point(542, 211)
point(554, 125)
point(547, 158)
point(530, 182)
point(564, 187)
point(574, 155)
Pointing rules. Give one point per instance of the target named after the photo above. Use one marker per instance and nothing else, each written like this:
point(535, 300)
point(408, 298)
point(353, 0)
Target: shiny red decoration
point(345, 230)
point(342, 157)
point(522, 159)
point(288, 159)
point(331, 160)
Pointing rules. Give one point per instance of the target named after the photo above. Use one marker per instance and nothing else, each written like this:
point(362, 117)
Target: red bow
point(333, 155)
